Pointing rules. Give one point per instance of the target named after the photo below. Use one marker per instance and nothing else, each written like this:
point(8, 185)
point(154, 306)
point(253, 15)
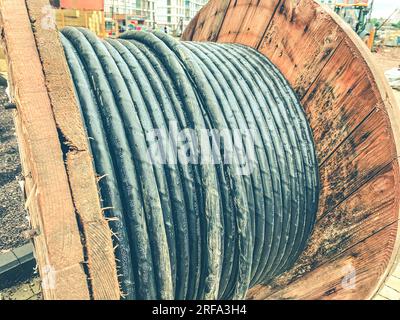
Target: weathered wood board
point(97, 237)
point(339, 99)
point(58, 244)
point(253, 17)
point(207, 22)
point(300, 39)
point(361, 157)
point(73, 244)
point(348, 276)
point(347, 226)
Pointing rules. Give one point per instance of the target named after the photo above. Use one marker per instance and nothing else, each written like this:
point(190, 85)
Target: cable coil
point(194, 230)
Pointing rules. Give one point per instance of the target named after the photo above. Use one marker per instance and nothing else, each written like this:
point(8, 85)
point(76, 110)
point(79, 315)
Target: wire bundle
point(194, 231)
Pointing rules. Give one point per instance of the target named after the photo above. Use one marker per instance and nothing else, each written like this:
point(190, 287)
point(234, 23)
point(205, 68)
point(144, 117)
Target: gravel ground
point(388, 58)
point(13, 218)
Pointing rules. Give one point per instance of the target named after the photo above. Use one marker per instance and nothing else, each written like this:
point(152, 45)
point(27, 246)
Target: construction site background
point(111, 17)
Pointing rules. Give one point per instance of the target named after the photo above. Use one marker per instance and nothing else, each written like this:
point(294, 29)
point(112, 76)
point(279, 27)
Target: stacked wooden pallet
point(92, 20)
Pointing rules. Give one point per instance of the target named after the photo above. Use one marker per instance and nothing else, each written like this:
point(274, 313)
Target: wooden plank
point(81, 174)
point(361, 157)
point(392, 109)
point(54, 282)
point(208, 21)
point(356, 88)
point(246, 21)
point(58, 245)
point(341, 97)
point(349, 224)
point(352, 275)
point(352, 67)
point(190, 29)
point(312, 41)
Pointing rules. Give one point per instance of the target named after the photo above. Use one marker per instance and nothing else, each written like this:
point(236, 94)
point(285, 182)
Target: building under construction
point(111, 17)
point(173, 14)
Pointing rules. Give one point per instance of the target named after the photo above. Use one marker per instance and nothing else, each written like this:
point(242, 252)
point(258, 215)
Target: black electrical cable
point(233, 124)
point(288, 168)
point(195, 230)
point(255, 121)
point(169, 103)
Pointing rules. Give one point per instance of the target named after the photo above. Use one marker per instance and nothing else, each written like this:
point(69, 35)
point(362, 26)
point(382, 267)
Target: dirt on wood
point(13, 218)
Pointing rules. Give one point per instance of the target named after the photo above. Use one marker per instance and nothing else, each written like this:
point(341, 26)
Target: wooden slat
point(333, 280)
point(301, 38)
point(58, 245)
point(82, 178)
point(246, 21)
point(53, 280)
point(190, 30)
point(208, 21)
point(349, 224)
point(361, 157)
point(341, 98)
point(356, 91)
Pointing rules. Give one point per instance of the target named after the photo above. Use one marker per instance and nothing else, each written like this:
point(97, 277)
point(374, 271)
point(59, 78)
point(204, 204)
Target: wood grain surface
point(73, 244)
point(58, 244)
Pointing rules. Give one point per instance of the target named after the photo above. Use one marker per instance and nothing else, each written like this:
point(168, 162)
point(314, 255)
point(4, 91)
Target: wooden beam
point(206, 25)
point(74, 243)
point(246, 21)
point(81, 174)
point(58, 244)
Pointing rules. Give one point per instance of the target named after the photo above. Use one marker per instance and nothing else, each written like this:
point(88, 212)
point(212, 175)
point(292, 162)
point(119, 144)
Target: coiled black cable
point(184, 230)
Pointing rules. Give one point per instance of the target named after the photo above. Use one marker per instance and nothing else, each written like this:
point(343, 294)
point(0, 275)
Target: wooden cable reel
point(349, 106)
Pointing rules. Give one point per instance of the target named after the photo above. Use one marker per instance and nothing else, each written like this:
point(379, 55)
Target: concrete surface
point(25, 291)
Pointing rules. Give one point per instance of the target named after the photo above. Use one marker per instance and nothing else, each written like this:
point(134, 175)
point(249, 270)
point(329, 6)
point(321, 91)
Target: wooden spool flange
point(352, 253)
point(355, 121)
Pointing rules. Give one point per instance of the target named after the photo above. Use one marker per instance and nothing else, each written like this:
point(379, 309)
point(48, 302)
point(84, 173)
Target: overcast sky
point(383, 8)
